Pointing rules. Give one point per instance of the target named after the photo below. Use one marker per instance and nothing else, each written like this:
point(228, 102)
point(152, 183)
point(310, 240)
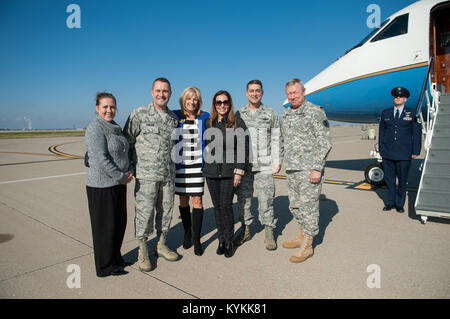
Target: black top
point(221, 159)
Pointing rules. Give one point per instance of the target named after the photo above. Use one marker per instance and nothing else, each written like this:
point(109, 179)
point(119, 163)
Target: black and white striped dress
point(189, 178)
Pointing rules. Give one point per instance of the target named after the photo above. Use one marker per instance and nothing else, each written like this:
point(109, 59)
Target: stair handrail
point(424, 86)
point(433, 110)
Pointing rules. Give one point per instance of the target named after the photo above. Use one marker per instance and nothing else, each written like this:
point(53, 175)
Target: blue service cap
point(400, 91)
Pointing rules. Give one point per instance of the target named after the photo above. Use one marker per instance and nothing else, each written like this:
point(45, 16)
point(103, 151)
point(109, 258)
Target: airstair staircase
point(433, 196)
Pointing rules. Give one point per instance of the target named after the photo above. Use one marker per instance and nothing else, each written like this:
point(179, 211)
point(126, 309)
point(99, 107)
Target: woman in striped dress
point(189, 181)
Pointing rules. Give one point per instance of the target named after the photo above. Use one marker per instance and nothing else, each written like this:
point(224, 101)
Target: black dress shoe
point(198, 250)
point(388, 207)
point(228, 250)
point(118, 271)
point(220, 249)
point(400, 209)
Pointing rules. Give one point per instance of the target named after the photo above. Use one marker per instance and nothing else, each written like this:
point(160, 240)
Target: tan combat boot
point(305, 251)
point(164, 251)
point(296, 242)
point(243, 236)
point(143, 257)
point(269, 239)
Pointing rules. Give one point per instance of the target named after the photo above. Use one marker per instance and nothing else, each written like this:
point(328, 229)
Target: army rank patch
point(325, 123)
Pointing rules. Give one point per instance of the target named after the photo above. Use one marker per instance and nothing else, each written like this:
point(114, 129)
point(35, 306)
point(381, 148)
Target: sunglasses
point(224, 103)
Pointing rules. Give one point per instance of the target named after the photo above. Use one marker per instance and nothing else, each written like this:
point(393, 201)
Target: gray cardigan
point(108, 154)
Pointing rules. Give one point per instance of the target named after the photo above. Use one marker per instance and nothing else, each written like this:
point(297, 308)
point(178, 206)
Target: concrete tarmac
point(45, 238)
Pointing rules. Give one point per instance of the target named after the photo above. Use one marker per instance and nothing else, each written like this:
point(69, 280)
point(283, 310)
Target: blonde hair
point(188, 92)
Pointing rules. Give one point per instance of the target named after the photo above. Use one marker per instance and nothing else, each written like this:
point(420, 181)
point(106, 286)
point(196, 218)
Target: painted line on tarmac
point(57, 159)
point(352, 185)
point(52, 149)
point(328, 181)
point(41, 178)
point(29, 153)
point(368, 187)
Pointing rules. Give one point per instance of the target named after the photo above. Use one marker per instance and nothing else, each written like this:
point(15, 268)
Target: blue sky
point(50, 73)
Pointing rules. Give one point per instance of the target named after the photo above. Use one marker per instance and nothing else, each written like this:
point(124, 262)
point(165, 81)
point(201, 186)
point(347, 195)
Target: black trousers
point(396, 195)
point(222, 192)
point(108, 211)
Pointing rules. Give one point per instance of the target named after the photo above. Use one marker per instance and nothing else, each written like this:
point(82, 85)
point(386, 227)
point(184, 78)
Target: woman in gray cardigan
point(106, 188)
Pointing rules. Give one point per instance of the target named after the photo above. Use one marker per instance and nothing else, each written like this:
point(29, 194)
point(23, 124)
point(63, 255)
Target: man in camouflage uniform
point(264, 128)
point(307, 143)
point(149, 132)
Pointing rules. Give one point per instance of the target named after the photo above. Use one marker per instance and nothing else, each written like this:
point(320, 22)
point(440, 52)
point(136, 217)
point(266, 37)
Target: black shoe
point(388, 207)
point(220, 250)
point(400, 209)
point(228, 250)
point(198, 250)
point(187, 243)
point(118, 271)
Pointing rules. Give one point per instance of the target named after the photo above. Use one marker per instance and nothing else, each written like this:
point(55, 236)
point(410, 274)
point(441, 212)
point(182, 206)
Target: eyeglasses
point(224, 103)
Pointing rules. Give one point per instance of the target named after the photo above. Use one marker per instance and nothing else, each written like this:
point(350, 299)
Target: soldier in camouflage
point(264, 128)
point(306, 145)
point(149, 130)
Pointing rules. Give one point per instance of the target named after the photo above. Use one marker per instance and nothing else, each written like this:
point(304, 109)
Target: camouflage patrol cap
point(400, 92)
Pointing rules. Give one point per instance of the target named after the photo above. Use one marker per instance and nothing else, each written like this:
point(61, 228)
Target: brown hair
point(231, 116)
point(102, 95)
point(255, 82)
point(162, 80)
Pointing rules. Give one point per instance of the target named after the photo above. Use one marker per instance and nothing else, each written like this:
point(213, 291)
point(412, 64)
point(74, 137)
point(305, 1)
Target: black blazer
point(226, 149)
point(399, 140)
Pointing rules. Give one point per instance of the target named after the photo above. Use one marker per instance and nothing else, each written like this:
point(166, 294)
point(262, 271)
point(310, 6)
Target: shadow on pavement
point(361, 165)
point(328, 209)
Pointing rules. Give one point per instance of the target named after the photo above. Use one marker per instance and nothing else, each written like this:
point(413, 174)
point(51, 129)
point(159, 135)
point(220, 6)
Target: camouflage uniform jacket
point(150, 135)
point(264, 127)
point(306, 137)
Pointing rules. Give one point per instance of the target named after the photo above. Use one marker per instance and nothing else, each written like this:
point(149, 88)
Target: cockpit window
point(398, 26)
point(367, 37)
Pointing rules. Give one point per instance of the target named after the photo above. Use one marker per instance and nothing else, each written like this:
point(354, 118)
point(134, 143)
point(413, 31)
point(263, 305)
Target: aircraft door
point(440, 24)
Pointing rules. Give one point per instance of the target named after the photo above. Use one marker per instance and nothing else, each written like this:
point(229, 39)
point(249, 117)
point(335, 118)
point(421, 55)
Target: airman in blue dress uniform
point(400, 136)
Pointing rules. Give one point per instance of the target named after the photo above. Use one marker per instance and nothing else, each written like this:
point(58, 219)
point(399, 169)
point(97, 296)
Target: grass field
point(28, 134)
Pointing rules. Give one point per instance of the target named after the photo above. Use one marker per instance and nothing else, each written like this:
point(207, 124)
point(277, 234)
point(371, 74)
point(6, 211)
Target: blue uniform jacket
point(398, 141)
point(201, 128)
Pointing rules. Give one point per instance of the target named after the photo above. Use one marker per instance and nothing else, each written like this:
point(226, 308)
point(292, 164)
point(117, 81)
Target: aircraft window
point(398, 26)
point(367, 37)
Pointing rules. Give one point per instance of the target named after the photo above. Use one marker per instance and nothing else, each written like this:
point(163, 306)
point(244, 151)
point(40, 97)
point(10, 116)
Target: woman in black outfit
point(106, 189)
point(225, 158)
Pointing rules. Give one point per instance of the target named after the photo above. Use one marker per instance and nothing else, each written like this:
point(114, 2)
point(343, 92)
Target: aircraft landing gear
point(374, 174)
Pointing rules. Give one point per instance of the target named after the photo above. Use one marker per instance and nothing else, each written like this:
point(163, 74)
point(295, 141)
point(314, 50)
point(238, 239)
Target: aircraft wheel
point(374, 174)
